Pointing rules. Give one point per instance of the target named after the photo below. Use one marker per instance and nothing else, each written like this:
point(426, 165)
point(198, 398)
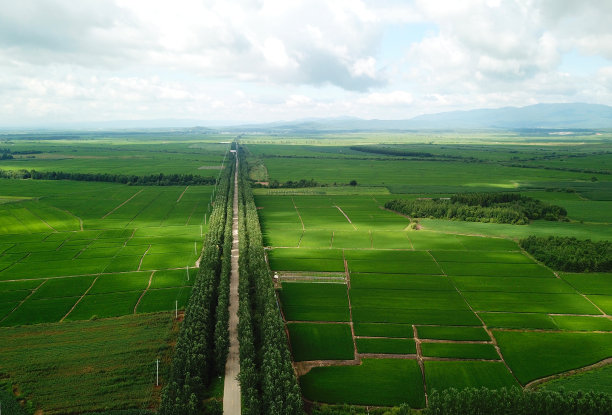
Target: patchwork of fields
point(372, 306)
point(97, 249)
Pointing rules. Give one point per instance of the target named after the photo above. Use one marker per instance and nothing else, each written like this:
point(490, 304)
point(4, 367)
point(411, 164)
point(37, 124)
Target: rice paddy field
point(380, 313)
point(101, 260)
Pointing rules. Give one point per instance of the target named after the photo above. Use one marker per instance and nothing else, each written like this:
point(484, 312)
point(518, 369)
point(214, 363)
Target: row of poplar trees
point(203, 340)
point(267, 380)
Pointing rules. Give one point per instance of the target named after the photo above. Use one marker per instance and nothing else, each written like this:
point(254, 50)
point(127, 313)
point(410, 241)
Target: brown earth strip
point(80, 298)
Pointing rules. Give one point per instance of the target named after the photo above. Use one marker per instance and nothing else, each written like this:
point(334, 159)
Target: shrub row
point(267, 380)
point(480, 207)
point(148, 180)
point(515, 401)
point(198, 355)
point(570, 254)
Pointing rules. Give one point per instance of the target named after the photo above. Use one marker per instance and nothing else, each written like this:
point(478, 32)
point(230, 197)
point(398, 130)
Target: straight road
point(231, 387)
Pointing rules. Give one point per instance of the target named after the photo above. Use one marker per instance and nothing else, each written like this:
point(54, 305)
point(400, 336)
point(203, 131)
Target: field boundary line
point(298, 213)
point(25, 255)
point(346, 216)
point(144, 208)
point(536, 382)
point(80, 298)
point(181, 196)
point(127, 201)
point(142, 258)
point(484, 325)
point(419, 358)
point(73, 215)
point(41, 219)
point(145, 291)
point(348, 297)
point(23, 301)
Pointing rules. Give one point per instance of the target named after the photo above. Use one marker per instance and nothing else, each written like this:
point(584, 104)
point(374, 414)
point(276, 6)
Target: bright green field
point(523, 351)
point(599, 380)
point(321, 341)
point(383, 382)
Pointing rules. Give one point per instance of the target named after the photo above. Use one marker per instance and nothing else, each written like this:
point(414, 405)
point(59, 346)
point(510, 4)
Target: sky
point(67, 61)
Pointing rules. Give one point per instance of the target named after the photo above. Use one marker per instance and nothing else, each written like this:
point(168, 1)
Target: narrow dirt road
point(231, 388)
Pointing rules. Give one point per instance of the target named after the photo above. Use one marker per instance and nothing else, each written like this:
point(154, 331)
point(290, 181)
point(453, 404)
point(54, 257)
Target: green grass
point(320, 341)
point(382, 382)
point(383, 330)
point(519, 320)
point(530, 302)
point(87, 366)
point(591, 283)
point(495, 269)
point(40, 311)
point(460, 350)
point(386, 346)
point(459, 375)
point(407, 299)
point(63, 287)
point(314, 301)
point(582, 323)
point(523, 351)
point(452, 333)
point(105, 305)
point(597, 380)
point(603, 301)
point(401, 282)
point(111, 283)
point(391, 267)
point(406, 316)
point(513, 284)
point(165, 299)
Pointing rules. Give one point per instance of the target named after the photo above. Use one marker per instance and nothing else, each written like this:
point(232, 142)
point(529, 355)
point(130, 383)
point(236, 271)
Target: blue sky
point(63, 61)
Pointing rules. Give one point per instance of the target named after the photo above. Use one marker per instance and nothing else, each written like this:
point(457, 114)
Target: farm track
point(489, 332)
point(534, 383)
point(346, 216)
point(231, 386)
point(23, 301)
point(80, 299)
point(127, 201)
point(419, 357)
point(144, 292)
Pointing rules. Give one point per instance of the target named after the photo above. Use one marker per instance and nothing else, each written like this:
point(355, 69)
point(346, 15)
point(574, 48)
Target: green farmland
point(379, 309)
point(98, 261)
point(460, 297)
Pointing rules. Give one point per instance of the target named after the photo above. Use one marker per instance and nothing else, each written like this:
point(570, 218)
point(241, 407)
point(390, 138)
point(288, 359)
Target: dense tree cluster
point(267, 380)
point(515, 401)
point(570, 254)
point(391, 151)
point(201, 348)
point(511, 208)
point(275, 184)
point(148, 180)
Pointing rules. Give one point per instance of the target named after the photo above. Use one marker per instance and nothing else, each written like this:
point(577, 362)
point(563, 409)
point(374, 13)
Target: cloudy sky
point(262, 60)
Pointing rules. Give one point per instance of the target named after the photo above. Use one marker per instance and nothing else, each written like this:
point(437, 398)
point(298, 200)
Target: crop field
point(103, 255)
point(98, 261)
point(87, 365)
point(445, 294)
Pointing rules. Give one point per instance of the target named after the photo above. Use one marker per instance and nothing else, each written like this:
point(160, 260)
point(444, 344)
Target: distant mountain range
point(539, 116)
point(574, 116)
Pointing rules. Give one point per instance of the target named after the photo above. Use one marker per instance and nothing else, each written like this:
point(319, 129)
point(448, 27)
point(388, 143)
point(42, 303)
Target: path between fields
point(133, 196)
point(231, 387)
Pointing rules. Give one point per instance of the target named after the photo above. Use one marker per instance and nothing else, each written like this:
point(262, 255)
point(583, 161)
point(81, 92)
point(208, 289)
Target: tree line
point(267, 380)
point(201, 348)
point(511, 208)
point(570, 254)
point(144, 180)
point(515, 401)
